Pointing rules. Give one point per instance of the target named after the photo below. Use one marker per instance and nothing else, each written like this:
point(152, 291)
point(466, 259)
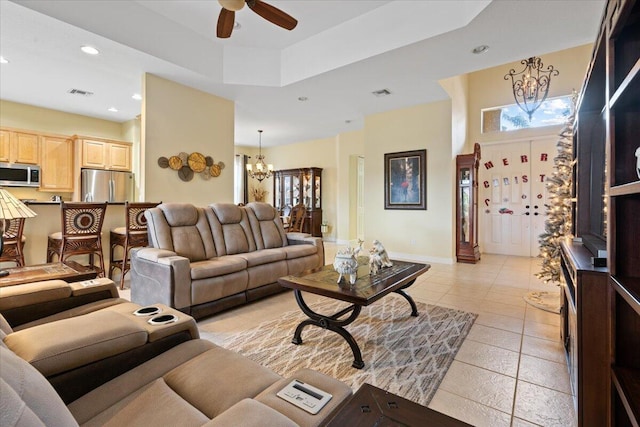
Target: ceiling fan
point(268, 12)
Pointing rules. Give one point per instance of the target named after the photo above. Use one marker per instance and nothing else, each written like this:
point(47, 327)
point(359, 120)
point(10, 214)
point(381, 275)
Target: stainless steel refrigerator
point(107, 186)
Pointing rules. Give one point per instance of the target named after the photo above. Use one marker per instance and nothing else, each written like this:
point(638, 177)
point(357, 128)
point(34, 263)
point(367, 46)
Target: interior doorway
point(513, 195)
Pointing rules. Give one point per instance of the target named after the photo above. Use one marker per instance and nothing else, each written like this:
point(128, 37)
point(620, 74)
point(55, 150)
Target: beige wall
point(319, 153)
point(412, 234)
point(487, 89)
point(176, 118)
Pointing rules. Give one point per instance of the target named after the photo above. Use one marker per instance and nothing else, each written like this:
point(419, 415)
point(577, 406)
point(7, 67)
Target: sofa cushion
point(181, 228)
point(50, 350)
point(217, 267)
point(33, 293)
point(27, 398)
point(157, 405)
point(266, 226)
point(230, 228)
point(264, 256)
point(196, 380)
point(299, 251)
point(250, 413)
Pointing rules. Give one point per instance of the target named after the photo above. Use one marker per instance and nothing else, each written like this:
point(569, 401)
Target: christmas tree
point(558, 222)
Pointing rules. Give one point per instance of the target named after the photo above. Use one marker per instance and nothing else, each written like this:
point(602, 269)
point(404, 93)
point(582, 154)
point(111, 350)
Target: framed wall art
point(405, 180)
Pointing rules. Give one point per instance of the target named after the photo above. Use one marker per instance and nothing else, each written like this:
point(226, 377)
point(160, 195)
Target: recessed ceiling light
point(480, 49)
point(303, 98)
point(89, 50)
point(3, 60)
point(137, 96)
point(113, 109)
point(347, 121)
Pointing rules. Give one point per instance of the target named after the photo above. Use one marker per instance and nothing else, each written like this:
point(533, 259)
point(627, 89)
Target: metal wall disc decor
point(188, 164)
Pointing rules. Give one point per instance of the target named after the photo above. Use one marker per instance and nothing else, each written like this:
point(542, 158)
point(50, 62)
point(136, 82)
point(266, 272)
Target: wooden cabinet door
point(26, 148)
point(119, 157)
point(57, 164)
point(94, 154)
point(5, 145)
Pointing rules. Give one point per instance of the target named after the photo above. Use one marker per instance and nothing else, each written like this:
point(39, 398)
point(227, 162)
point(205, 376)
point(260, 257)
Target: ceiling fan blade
point(272, 14)
point(225, 23)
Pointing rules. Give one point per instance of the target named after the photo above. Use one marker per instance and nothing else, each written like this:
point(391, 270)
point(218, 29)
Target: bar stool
point(13, 241)
point(132, 235)
point(81, 233)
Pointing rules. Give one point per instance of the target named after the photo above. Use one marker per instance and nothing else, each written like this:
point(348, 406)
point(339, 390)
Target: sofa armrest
point(160, 276)
point(307, 239)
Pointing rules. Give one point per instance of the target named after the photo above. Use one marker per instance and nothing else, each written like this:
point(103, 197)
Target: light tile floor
point(511, 369)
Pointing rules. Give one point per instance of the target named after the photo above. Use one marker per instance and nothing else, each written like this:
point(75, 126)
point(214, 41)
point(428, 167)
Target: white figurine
point(346, 263)
point(638, 162)
point(378, 258)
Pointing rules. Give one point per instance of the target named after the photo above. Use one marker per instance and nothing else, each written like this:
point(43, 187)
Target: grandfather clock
point(467, 249)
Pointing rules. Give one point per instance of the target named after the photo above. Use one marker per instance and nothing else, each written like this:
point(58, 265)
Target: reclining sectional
point(115, 366)
point(205, 260)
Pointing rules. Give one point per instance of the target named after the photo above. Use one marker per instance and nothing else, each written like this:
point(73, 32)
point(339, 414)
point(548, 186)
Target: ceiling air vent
point(79, 92)
point(381, 92)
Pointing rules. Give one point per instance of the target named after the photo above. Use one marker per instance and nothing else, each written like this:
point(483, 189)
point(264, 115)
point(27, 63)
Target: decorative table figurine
point(378, 258)
point(638, 162)
point(346, 263)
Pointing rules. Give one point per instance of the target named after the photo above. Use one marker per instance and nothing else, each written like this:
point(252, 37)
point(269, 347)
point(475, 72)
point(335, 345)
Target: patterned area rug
point(406, 355)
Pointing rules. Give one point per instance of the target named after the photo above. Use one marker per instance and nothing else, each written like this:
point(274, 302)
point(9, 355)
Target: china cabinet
point(467, 249)
point(300, 186)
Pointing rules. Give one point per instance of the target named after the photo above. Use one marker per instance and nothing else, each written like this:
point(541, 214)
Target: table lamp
point(10, 208)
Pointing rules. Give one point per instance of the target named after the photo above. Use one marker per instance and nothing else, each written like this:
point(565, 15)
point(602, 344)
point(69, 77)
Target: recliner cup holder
point(163, 319)
point(147, 311)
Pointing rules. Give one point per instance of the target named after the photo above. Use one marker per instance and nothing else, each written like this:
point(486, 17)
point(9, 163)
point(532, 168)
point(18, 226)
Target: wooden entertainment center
point(601, 312)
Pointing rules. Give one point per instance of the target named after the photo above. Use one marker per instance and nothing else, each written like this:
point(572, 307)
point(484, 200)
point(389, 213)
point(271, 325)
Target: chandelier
point(262, 170)
point(531, 85)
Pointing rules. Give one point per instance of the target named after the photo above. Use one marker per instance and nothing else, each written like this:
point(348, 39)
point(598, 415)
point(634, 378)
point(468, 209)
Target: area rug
point(406, 355)
point(544, 300)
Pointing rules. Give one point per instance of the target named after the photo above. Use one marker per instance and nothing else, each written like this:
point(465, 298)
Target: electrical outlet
point(413, 241)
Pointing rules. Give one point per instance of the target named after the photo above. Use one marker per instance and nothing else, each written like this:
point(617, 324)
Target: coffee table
point(69, 271)
point(371, 406)
point(367, 290)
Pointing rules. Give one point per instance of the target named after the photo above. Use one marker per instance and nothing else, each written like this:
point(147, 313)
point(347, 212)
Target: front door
point(513, 195)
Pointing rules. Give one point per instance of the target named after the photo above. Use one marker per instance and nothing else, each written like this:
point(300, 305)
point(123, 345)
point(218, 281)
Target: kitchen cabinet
point(56, 164)
point(99, 153)
point(19, 147)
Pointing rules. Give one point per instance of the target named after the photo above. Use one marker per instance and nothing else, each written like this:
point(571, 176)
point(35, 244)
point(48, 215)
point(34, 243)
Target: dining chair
point(81, 233)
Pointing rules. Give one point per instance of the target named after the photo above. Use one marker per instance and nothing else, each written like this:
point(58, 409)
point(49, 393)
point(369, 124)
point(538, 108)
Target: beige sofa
point(193, 384)
point(204, 260)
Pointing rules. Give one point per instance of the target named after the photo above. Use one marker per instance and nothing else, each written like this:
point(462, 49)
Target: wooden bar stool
point(132, 235)
point(13, 241)
point(81, 233)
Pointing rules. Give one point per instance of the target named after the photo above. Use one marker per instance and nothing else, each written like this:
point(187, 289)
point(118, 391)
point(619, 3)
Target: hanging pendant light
point(262, 170)
point(531, 85)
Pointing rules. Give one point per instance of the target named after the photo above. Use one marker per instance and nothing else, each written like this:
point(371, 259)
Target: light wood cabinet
point(104, 154)
point(19, 147)
point(57, 164)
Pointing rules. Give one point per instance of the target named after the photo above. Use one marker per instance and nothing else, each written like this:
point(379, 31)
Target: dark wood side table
point(371, 406)
point(69, 271)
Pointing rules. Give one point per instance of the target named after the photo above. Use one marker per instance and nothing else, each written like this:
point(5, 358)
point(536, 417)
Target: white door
point(513, 195)
point(360, 200)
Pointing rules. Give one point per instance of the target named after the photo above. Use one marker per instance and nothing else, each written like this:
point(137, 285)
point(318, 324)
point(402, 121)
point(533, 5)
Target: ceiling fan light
point(233, 5)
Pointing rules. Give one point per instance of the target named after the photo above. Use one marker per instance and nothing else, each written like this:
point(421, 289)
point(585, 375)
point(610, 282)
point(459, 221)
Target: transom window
point(553, 111)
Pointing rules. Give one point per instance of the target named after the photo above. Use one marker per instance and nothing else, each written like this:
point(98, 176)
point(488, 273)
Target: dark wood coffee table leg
point(332, 323)
point(414, 308)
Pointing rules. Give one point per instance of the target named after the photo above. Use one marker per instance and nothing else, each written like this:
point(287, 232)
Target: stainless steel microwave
point(17, 175)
